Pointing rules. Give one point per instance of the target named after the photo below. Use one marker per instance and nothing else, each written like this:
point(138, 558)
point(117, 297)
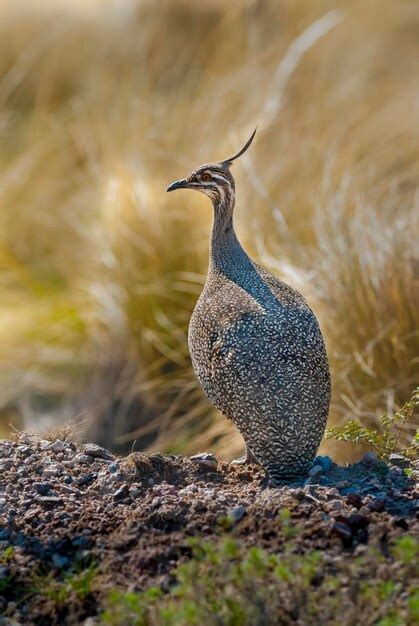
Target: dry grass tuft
point(103, 104)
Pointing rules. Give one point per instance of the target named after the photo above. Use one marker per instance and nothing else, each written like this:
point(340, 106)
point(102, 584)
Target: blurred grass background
point(103, 103)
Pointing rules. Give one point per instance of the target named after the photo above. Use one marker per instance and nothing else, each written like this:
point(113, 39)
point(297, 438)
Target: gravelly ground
point(59, 501)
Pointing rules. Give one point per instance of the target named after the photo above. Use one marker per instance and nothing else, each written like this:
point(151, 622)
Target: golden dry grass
point(102, 104)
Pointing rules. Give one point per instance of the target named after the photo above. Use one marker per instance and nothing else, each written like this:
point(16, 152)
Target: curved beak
point(178, 184)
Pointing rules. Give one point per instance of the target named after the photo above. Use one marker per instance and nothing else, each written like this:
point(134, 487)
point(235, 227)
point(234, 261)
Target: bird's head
point(213, 179)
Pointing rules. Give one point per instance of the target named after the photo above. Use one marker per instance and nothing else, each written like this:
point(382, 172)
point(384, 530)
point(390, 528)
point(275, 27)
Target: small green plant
point(7, 554)
point(225, 584)
point(77, 583)
point(387, 439)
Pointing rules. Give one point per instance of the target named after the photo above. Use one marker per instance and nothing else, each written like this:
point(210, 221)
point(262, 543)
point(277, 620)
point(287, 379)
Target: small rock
point(378, 505)
point(49, 501)
point(44, 444)
point(342, 484)
point(85, 479)
point(52, 471)
point(342, 530)
point(57, 446)
point(26, 438)
point(135, 490)
point(121, 493)
point(369, 459)
point(325, 461)
point(237, 513)
point(357, 522)
point(354, 499)
point(399, 460)
point(30, 459)
point(5, 450)
point(401, 523)
point(396, 473)
point(24, 450)
point(332, 493)
point(206, 460)
point(42, 488)
point(95, 451)
point(83, 459)
point(335, 504)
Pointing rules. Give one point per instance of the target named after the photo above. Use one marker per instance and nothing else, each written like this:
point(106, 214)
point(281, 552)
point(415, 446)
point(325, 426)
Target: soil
point(60, 503)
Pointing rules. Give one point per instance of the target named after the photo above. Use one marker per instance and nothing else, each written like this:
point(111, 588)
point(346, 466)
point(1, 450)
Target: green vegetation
point(389, 438)
point(226, 585)
point(74, 585)
point(7, 554)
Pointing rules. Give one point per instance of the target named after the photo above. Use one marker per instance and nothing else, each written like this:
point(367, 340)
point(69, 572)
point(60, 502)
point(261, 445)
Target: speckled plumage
point(256, 346)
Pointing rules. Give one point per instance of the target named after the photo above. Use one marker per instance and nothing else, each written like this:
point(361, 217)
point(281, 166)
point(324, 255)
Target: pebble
point(42, 488)
point(237, 513)
point(85, 479)
point(342, 530)
point(206, 460)
point(121, 493)
point(378, 505)
point(325, 461)
point(354, 499)
point(135, 490)
point(30, 459)
point(298, 494)
point(357, 521)
point(49, 500)
point(369, 459)
point(58, 446)
point(5, 450)
point(95, 451)
point(24, 450)
point(83, 459)
point(50, 473)
point(399, 460)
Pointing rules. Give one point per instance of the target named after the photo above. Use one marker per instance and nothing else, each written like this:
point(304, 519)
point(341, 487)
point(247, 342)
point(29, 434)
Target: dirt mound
point(62, 505)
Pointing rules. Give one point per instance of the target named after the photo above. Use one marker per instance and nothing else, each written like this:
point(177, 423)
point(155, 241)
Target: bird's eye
point(206, 176)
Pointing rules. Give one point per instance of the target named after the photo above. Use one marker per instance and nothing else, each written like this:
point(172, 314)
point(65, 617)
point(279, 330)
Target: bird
point(255, 344)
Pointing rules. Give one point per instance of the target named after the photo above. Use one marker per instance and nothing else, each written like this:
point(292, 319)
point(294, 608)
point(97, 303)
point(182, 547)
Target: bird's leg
point(247, 458)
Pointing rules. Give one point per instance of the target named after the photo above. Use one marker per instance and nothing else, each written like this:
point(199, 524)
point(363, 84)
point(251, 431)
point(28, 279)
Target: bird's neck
point(228, 258)
point(226, 252)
